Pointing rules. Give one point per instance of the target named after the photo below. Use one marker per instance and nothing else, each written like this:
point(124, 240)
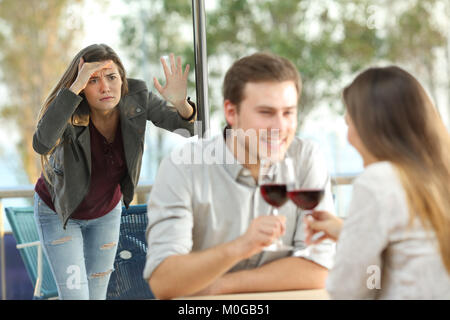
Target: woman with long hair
point(90, 135)
point(395, 241)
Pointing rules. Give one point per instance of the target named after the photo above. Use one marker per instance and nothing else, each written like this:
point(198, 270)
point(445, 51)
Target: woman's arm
point(363, 239)
point(167, 117)
point(52, 125)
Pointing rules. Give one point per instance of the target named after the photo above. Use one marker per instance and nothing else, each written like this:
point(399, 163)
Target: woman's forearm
point(51, 127)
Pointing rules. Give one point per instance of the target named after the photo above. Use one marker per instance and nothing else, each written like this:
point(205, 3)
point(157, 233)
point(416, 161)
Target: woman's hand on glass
point(322, 222)
point(175, 89)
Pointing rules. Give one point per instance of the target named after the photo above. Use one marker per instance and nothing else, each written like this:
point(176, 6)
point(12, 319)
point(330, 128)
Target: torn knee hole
point(101, 274)
point(107, 246)
point(62, 240)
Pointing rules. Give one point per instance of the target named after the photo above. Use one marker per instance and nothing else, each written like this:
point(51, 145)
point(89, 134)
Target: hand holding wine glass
point(307, 197)
point(273, 178)
point(261, 233)
point(324, 223)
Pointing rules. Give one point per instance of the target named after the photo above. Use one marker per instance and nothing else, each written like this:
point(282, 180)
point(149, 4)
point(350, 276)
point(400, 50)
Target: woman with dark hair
point(90, 135)
point(395, 241)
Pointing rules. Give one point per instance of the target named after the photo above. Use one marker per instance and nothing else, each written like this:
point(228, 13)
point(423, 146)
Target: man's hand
point(261, 233)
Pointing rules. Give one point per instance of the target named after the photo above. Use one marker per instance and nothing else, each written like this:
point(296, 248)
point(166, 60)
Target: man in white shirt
point(208, 223)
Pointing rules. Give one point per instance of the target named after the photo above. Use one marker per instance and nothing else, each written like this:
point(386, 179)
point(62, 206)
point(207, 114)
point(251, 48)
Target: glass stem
point(274, 211)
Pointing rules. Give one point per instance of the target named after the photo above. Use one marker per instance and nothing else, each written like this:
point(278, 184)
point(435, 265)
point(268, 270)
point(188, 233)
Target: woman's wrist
point(75, 88)
point(337, 228)
point(185, 110)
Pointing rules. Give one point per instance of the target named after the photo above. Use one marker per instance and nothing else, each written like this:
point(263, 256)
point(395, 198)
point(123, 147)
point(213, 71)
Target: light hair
point(397, 122)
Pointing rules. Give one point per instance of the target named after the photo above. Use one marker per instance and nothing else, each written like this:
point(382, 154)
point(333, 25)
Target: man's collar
point(228, 159)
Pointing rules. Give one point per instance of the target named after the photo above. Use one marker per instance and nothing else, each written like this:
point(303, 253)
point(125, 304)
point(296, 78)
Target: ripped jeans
point(82, 256)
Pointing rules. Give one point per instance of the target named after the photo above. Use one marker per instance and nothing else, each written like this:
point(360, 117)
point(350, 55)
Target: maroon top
point(108, 168)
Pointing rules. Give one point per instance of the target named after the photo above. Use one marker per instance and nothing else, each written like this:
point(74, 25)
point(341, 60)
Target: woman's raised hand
point(175, 89)
point(85, 71)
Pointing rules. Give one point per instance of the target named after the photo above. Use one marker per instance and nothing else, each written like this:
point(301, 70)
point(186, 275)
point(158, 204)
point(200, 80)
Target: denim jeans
point(82, 256)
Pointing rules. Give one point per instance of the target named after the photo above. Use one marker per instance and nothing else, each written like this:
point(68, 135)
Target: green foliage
point(155, 29)
point(236, 28)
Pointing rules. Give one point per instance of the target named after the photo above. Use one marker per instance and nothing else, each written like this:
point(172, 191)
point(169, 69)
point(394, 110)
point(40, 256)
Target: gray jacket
point(67, 117)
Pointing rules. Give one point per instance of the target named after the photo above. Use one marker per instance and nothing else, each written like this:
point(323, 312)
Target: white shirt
point(376, 244)
point(194, 207)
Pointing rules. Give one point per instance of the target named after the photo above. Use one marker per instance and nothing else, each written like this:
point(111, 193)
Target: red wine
point(274, 194)
point(306, 199)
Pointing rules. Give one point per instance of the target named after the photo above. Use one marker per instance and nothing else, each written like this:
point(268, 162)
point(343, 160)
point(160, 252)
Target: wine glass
point(273, 178)
point(307, 197)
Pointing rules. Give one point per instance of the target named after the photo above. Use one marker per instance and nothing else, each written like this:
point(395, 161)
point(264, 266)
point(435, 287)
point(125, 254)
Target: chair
point(126, 281)
point(25, 232)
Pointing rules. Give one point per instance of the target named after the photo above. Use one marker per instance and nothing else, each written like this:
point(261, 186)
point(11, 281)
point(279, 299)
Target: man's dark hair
point(258, 67)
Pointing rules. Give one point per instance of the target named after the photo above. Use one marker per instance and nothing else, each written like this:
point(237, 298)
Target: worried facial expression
point(269, 113)
point(103, 90)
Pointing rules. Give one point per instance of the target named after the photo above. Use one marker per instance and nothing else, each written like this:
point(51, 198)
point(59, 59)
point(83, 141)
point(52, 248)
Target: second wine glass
point(307, 197)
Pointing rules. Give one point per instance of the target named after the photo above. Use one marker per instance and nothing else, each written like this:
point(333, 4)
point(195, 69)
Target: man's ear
point(230, 111)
